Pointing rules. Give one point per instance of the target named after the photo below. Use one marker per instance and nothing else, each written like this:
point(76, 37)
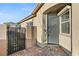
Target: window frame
point(62, 12)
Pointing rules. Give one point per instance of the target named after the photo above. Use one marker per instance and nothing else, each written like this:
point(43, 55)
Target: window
point(65, 23)
point(30, 24)
point(65, 20)
point(65, 27)
point(65, 17)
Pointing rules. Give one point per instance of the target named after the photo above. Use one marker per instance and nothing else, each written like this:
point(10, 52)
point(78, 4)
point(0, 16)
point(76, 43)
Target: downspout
point(71, 28)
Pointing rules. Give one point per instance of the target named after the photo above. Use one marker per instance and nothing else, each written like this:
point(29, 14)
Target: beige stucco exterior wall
point(3, 40)
point(65, 41)
point(75, 29)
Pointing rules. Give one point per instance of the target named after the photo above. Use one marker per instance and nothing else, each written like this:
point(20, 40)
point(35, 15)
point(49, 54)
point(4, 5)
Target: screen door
point(52, 28)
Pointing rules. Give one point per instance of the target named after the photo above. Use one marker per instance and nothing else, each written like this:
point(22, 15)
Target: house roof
point(33, 14)
point(26, 18)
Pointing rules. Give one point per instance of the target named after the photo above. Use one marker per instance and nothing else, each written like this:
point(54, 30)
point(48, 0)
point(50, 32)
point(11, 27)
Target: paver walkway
point(51, 50)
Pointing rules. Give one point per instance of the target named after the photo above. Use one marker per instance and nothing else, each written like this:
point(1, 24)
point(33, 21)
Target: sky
point(14, 12)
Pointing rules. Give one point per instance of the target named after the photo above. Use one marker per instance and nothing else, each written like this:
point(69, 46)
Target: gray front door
point(53, 28)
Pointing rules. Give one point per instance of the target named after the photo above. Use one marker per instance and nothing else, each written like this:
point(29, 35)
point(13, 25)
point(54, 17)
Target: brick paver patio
point(50, 50)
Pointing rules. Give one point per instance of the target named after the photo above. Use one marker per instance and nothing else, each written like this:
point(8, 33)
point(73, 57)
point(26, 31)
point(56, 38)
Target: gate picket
point(16, 39)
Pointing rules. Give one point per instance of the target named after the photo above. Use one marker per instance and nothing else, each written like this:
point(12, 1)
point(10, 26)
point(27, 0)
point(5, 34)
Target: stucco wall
point(65, 41)
point(3, 31)
point(75, 29)
point(3, 40)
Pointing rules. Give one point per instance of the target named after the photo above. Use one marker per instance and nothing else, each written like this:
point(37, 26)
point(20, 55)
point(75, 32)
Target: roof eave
point(39, 5)
point(37, 8)
point(27, 18)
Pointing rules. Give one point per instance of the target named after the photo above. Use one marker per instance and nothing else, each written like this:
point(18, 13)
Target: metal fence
point(16, 39)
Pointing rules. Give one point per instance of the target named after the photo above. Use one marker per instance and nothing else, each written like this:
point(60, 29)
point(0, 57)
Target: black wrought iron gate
point(16, 39)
